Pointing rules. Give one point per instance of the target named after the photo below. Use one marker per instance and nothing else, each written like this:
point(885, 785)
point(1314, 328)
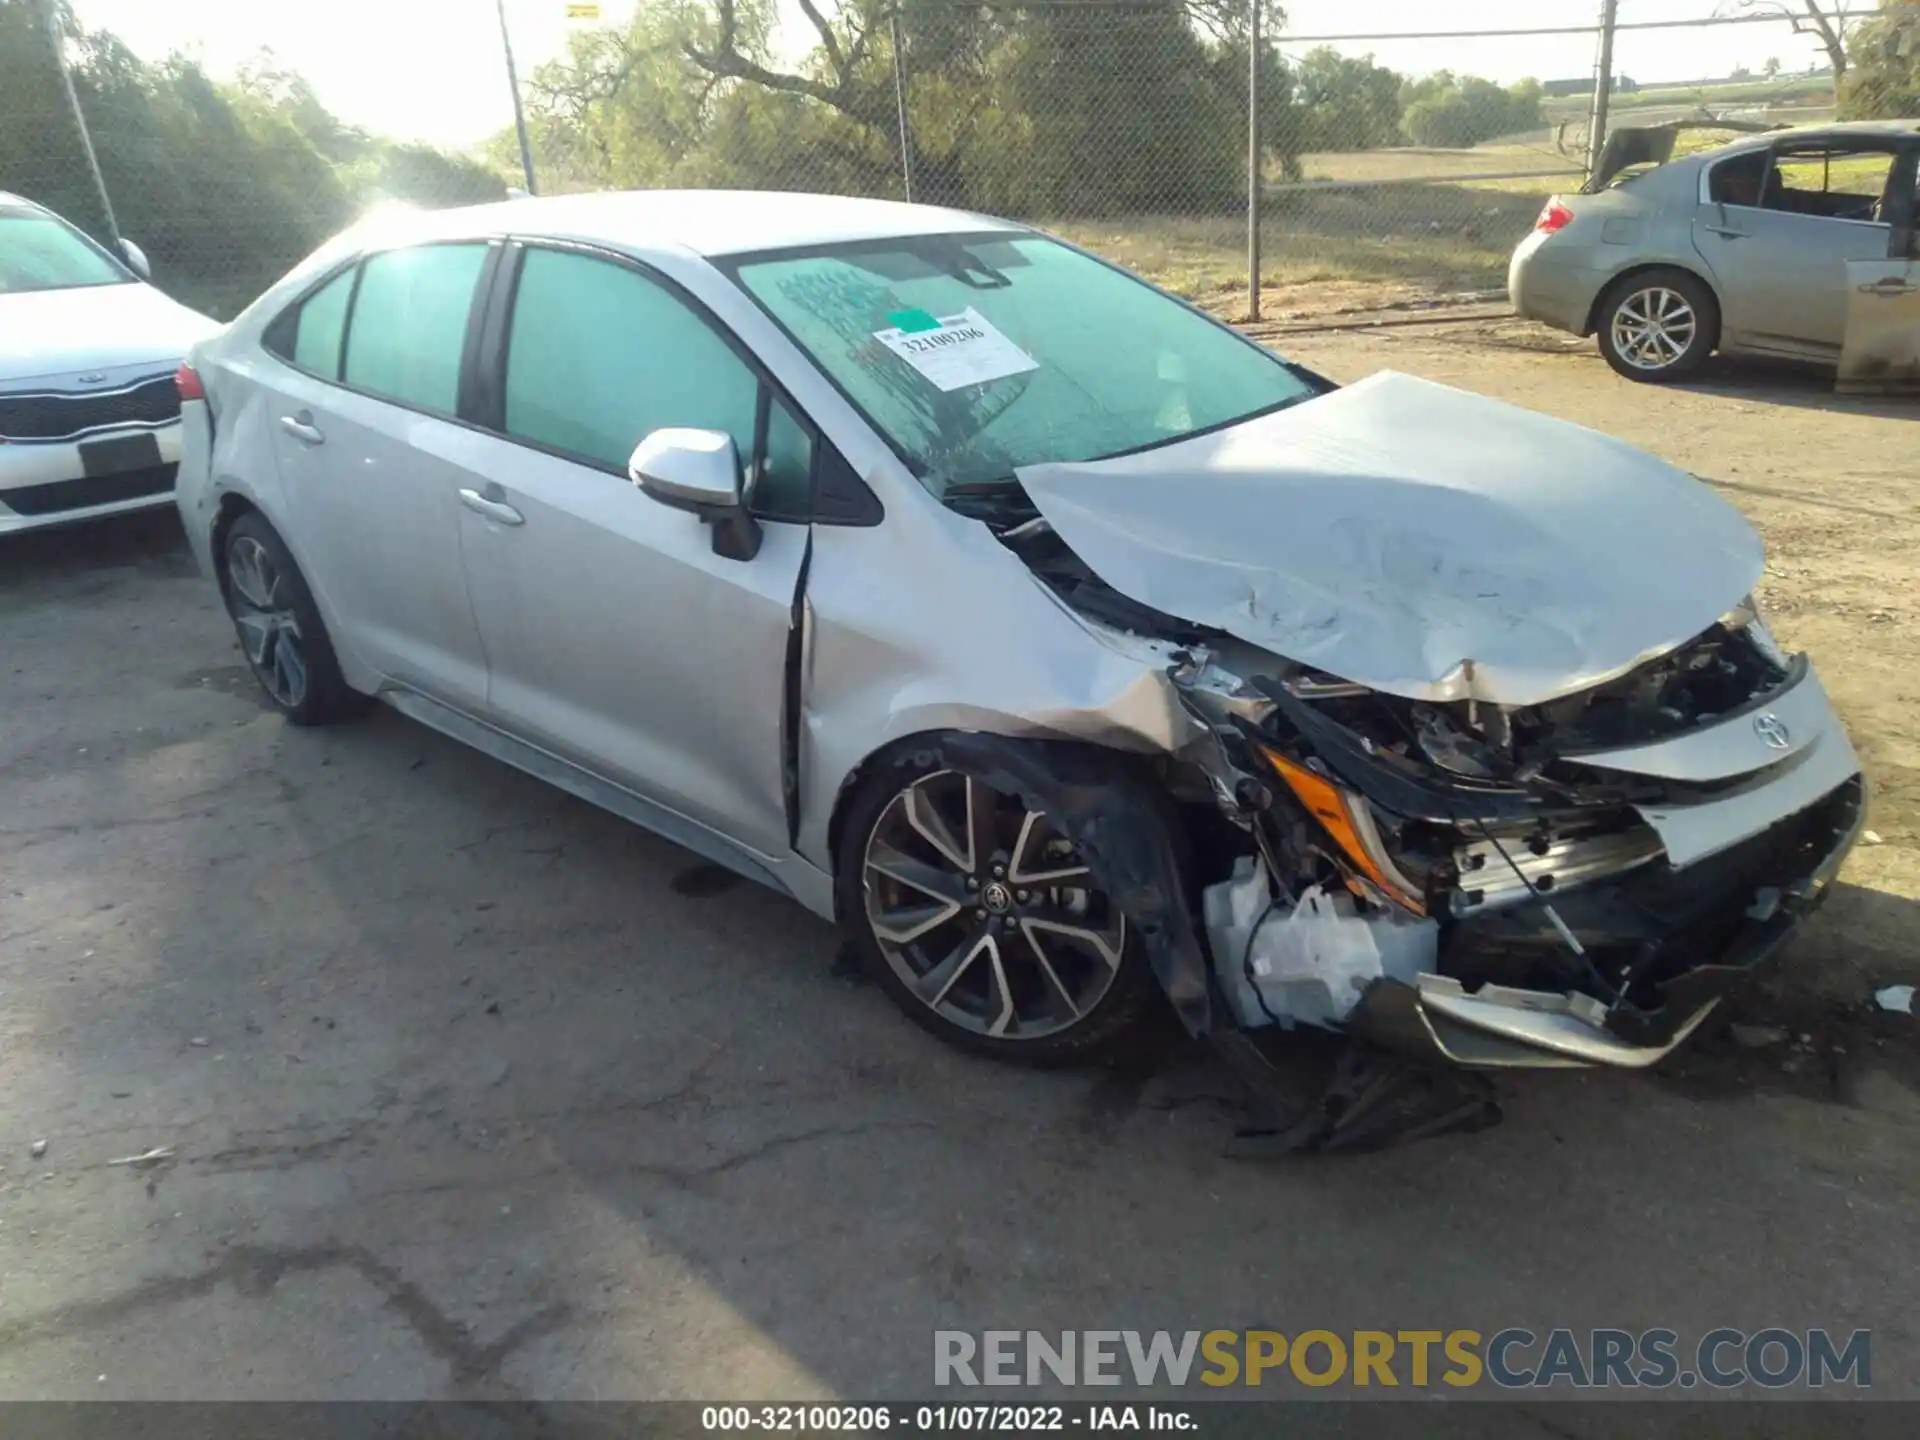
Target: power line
point(1703, 22)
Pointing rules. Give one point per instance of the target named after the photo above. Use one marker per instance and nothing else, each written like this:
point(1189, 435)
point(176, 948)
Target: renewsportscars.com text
point(1513, 1358)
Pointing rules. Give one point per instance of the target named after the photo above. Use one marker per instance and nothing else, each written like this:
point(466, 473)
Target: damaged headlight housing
point(1746, 617)
point(1349, 823)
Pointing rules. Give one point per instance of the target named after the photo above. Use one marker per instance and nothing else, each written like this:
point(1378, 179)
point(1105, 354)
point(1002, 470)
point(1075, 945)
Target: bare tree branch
point(1826, 20)
point(828, 40)
point(847, 93)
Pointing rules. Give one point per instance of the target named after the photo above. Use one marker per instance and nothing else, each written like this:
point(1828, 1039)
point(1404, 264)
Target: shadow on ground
point(473, 1090)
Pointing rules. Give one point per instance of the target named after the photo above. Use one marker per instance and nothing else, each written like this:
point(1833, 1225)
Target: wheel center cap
point(996, 897)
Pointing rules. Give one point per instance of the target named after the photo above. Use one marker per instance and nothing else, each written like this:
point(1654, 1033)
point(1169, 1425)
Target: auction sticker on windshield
point(954, 351)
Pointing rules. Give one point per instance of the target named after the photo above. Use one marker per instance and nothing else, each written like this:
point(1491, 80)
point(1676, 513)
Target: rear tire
point(1000, 941)
point(279, 626)
point(1658, 325)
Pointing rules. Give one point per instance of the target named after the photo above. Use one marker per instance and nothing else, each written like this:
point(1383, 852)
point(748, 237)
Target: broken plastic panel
point(1308, 963)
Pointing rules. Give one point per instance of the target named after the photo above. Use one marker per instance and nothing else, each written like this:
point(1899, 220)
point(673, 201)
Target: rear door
point(1780, 255)
point(615, 636)
point(369, 454)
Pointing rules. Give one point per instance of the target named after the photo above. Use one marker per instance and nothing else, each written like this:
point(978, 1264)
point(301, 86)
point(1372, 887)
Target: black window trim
point(862, 508)
point(357, 263)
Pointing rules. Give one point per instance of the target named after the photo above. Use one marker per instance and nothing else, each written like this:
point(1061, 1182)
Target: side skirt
point(791, 876)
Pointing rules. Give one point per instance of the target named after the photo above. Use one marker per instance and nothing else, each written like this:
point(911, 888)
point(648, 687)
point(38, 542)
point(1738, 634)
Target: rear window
point(409, 324)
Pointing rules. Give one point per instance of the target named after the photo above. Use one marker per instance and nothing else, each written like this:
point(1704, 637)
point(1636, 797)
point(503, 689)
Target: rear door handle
point(493, 509)
point(1888, 287)
point(302, 428)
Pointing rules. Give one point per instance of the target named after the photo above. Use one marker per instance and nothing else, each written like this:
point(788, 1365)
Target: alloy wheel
point(269, 630)
point(1654, 327)
point(986, 913)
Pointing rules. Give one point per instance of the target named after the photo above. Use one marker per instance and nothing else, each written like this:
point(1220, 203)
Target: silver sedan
point(1797, 244)
point(1064, 645)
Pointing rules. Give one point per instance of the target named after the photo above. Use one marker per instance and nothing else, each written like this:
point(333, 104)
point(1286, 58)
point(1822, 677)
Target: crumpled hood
point(1416, 539)
point(47, 333)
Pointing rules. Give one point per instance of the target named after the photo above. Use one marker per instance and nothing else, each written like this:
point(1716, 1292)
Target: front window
point(41, 252)
point(977, 354)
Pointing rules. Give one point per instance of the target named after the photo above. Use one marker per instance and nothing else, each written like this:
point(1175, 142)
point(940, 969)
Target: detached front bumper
point(1788, 870)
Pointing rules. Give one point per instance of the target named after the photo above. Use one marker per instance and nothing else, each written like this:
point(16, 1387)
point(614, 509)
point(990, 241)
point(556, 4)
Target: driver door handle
point(1725, 232)
point(496, 510)
point(302, 428)
point(1888, 287)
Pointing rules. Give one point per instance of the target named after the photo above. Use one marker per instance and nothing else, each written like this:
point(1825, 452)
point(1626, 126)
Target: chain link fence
point(1386, 171)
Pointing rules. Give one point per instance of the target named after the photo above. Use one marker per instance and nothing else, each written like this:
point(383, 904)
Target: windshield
point(975, 354)
point(39, 252)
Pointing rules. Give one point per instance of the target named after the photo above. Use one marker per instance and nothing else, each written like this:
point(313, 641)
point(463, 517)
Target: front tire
point(279, 627)
point(982, 922)
point(1658, 326)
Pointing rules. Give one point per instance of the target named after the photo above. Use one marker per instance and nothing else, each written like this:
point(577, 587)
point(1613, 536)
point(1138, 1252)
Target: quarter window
point(410, 324)
point(598, 356)
point(318, 326)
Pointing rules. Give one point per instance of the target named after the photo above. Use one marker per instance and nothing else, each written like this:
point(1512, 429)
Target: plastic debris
point(199, 1042)
point(37, 1149)
point(1872, 837)
point(146, 1158)
point(1898, 998)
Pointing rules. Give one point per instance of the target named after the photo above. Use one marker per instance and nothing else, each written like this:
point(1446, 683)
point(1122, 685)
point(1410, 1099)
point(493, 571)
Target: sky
point(432, 70)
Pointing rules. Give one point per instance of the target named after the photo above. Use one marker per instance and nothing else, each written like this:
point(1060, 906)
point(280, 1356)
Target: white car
point(89, 413)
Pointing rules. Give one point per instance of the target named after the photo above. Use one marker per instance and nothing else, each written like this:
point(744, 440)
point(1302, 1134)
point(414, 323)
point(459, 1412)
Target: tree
point(1826, 20)
point(1884, 79)
point(1052, 111)
point(225, 185)
point(1772, 67)
point(1453, 112)
point(1343, 102)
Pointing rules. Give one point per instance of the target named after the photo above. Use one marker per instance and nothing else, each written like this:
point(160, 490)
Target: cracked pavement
point(474, 1091)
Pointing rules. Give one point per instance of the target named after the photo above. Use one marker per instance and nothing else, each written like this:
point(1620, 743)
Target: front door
point(1780, 255)
point(367, 451)
point(615, 636)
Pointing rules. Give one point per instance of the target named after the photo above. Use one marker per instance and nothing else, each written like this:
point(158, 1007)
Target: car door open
point(618, 634)
point(1778, 228)
point(1882, 350)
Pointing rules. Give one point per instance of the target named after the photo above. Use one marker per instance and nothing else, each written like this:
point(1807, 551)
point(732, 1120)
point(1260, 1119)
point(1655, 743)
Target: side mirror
point(699, 471)
point(137, 258)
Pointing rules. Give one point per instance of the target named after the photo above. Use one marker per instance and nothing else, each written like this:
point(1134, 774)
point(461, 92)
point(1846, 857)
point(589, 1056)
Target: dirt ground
point(470, 1090)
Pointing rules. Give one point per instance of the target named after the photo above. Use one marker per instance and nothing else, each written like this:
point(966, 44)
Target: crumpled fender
point(1120, 822)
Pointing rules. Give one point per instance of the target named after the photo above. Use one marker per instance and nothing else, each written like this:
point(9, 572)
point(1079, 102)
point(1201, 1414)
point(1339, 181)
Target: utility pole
point(57, 41)
point(1602, 85)
point(1253, 159)
point(900, 103)
point(519, 112)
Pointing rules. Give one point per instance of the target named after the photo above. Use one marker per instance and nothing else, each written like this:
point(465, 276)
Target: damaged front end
point(1571, 883)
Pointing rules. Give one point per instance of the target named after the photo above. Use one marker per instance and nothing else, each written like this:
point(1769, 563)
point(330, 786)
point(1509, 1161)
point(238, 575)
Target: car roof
point(705, 222)
point(1797, 134)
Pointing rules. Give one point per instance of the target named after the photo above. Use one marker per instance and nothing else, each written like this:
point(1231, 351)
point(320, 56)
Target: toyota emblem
point(1772, 729)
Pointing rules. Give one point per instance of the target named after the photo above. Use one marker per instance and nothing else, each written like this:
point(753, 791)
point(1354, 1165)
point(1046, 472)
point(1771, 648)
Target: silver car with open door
point(1752, 248)
point(1068, 648)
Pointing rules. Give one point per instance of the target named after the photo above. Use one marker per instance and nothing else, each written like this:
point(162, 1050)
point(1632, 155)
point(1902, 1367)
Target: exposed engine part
point(1554, 859)
point(1307, 962)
